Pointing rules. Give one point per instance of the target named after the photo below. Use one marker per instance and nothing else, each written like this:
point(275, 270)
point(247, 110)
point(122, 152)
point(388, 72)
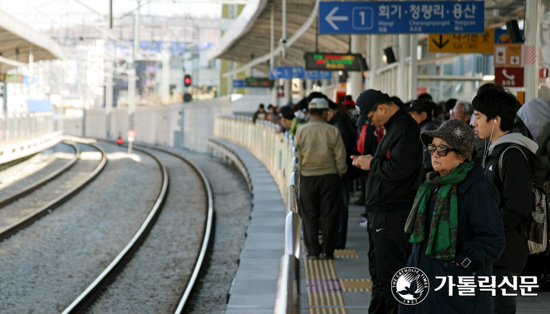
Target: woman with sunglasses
point(454, 226)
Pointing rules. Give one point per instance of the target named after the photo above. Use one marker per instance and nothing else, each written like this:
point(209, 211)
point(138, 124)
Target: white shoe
point(363, 223)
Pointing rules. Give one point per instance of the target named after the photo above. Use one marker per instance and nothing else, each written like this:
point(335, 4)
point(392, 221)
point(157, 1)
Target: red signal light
point(119, 141)
point(187, 80)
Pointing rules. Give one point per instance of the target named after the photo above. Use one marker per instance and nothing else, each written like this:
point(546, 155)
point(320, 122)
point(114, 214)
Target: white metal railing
point(277, 153)
point(25, 126)
point(272, 149)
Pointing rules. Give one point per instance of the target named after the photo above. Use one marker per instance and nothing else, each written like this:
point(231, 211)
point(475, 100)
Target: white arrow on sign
point(330, 18)
point(276, 73)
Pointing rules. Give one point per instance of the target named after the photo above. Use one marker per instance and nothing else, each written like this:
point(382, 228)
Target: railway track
point(122, 266)
point(19, 223)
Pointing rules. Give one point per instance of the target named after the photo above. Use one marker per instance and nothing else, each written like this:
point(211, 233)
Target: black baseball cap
point(365, 104)
point(286, 112)
point(420, 106)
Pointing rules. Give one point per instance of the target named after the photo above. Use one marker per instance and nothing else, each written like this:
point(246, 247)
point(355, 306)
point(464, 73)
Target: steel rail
point(89, 295)
point(48, 208)
point(208, 230)
point(25, 191)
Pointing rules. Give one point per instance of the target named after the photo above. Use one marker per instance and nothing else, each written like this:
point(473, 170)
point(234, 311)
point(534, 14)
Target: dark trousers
point(320, 198)
point(344, 210)
point(388, 252)
point(504, 304)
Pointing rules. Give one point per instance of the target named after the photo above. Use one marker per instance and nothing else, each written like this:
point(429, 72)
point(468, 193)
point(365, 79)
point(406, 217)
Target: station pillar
point(309, 87)
point(355, 84)
point(288, 91)
point(376, 46)
point(402, 79)
point(413, 67)
point(532, 38)
point(275, 93)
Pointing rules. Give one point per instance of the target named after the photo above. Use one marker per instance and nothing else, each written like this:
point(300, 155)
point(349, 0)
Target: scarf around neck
point(443, 228)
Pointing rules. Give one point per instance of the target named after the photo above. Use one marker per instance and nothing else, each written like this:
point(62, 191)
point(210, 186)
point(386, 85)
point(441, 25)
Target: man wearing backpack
point(494, 114)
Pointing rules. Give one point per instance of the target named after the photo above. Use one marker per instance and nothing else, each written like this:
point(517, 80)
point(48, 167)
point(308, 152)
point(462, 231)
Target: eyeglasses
point(371, 113)
point(442, 150)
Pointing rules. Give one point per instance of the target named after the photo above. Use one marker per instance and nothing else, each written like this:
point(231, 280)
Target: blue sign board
point(286, 73)
point(403, 17)
point(28, 80)
point(299, 73)
point(239, 84)
point(318, 75)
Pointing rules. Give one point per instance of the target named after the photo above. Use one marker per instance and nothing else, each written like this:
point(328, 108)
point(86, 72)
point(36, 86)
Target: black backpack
point(537, 223)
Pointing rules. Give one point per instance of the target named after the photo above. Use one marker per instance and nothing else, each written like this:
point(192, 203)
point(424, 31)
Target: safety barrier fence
point(25, 126)
point(277, 153)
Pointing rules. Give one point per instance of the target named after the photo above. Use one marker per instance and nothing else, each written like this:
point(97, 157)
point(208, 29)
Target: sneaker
point(312, 257)
point(363, 223)
point(326, 256)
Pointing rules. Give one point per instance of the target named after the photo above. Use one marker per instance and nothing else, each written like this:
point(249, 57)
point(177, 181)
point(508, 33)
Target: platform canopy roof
point(248, 39)
point(17, 40)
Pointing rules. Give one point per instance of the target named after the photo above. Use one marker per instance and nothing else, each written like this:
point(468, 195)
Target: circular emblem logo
point(410, 286)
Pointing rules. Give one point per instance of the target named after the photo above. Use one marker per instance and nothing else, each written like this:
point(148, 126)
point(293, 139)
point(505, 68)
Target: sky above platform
point(46, 14)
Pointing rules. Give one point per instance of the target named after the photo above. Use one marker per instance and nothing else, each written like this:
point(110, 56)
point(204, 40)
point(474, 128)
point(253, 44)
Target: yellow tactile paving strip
point(356, 285)
point(346, 254)
point(324, 293)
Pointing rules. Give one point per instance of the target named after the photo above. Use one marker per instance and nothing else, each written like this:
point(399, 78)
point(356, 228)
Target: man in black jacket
point(347, 131)
point(394, 179)
point(494, 114)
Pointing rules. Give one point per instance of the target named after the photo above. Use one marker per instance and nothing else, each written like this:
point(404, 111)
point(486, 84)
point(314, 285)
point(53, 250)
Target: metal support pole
point(108, 98)
point(413, 67)
point(283, 39)
point(355, 84)
point(136, 31)
point(272, 57)
point(532, 38)
point(110, 14)
point(165, 76)
point(404, 51)
point(131, 97)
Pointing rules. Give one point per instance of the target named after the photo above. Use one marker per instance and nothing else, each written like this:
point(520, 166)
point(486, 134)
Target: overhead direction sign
point(405, 17)
point(317, 75)
point(239, 84)
point(316, 61)
point(468, 43)
point(509, 77)
point(508, 55)
point(299, 73)
point(286, 73)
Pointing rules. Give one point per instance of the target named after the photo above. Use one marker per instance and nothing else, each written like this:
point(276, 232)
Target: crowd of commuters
point(447, 187)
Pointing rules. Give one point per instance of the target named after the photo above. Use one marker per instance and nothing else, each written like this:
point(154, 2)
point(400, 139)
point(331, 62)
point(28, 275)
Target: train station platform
point(341, 285)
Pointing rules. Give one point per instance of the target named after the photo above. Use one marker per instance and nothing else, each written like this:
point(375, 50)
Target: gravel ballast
point(39, 166)
point(13, 212)
point(155, 278)
point(232, 204)
point(46, 266)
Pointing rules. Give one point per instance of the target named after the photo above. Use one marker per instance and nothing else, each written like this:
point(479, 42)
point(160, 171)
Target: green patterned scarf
point(443, 229)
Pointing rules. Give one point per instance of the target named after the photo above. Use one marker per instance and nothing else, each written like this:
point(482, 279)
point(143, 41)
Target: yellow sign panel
point(472, 43)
